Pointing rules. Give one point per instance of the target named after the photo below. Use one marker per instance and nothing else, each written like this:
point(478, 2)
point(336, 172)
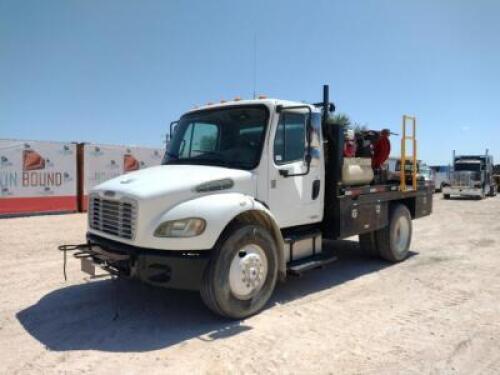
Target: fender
point(218, 210)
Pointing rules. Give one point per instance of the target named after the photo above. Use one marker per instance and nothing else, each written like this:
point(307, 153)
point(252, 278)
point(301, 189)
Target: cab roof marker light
point(237, 98)
point(262, 97)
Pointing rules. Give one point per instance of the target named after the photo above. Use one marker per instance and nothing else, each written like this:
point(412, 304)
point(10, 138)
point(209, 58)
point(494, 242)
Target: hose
point(66, 248)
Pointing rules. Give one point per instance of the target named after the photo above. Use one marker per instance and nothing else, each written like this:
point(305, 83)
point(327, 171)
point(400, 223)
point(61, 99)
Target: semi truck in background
point(247, 192)
point(472, 176)
point(496, 176)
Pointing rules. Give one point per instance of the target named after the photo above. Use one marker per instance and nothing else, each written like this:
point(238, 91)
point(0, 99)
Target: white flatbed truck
point(247, 192)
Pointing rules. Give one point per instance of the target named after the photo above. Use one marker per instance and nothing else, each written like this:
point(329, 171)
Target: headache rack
point(403, 175)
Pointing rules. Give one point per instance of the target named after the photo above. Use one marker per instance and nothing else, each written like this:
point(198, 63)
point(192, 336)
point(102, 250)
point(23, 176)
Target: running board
point(298, 267)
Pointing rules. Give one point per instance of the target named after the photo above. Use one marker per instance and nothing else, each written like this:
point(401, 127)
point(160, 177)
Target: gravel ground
point(436, 313)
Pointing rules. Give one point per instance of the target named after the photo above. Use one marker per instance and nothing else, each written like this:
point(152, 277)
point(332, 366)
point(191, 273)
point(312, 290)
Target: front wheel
point(242, 272)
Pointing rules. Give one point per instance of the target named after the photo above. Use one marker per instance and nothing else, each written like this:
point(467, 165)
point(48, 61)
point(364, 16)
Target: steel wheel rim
point(248, 271)
point(402, 234)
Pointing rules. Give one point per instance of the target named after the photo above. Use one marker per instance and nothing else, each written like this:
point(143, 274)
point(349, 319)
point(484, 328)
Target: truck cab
point(472, 176)
point(247, 191)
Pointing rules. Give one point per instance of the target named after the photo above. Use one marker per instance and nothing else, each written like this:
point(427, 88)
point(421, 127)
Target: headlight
point(189, 227)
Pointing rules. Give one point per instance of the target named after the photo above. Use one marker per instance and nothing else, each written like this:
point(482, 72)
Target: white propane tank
point(357, 171)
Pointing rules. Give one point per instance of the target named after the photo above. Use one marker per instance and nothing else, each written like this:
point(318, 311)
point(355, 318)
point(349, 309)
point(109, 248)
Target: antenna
point(254, 65)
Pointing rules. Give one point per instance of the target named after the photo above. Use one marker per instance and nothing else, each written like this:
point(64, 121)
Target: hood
point(177, 179)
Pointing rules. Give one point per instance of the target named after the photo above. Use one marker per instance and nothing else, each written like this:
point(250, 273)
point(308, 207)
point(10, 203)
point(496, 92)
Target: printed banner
point(103, 162)
point(37, 177)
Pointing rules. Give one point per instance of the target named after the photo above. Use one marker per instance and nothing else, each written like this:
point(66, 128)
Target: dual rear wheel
point(391, 243)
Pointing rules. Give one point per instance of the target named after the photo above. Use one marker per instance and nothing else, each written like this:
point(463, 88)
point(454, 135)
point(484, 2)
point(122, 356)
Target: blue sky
point(119, 71)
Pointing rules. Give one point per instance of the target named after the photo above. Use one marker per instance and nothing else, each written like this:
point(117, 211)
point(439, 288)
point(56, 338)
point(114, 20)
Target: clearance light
point(262, 97)
point(236, 99)
point(210, 103)
point(223, 101)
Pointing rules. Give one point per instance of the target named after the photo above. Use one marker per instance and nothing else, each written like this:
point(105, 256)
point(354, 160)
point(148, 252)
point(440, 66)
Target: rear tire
point(446, 196)
point(242, 273)
point(393, 241)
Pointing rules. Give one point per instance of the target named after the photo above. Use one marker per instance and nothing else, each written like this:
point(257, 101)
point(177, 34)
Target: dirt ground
point(436, 313)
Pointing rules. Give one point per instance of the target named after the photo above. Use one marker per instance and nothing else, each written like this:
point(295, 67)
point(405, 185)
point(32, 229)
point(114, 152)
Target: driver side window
point(289, 141)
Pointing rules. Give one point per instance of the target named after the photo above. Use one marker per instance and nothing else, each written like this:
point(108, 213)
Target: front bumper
point(462, 191)
point(172, 269)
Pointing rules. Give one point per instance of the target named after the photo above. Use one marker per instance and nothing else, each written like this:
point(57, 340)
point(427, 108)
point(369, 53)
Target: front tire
point(242, 273)
point(446, 196)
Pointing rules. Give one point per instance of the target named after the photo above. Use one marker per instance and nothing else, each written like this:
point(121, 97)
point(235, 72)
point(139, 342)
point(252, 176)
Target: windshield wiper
point(210, 161)
point(172, 158)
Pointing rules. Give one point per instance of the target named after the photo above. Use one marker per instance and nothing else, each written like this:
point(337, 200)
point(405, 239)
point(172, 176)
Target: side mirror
point(308, 133)
point(309, 136)
point(173, 127)
point(308, 158)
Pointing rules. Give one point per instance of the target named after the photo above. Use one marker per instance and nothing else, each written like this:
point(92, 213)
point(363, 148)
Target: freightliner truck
point(247, 192)
point(472, 176)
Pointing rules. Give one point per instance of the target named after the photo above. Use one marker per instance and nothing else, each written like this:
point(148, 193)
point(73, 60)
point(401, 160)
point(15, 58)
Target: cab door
point(296, 190)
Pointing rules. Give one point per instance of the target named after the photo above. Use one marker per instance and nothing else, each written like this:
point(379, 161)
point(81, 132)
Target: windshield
point(230, 137)
point(473, 167)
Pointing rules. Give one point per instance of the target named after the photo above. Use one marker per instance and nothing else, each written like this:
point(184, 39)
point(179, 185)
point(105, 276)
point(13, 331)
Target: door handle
point(316, 188)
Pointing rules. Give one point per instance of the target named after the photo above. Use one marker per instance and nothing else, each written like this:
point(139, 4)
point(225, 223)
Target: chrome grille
point(116, 217)
point(463, 178)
